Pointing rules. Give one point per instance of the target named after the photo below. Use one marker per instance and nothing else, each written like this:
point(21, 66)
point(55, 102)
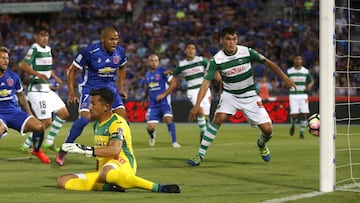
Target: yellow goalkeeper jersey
point(115, 128)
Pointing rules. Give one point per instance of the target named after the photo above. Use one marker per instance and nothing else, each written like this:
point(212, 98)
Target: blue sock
point(172, 131)
point(38, 138)
point(76, 129)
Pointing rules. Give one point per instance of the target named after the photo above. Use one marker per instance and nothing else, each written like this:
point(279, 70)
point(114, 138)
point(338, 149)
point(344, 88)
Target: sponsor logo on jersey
point(5, 92)
point(153, 84)
point(233, 71)
point(107, 70)
point(193, 71)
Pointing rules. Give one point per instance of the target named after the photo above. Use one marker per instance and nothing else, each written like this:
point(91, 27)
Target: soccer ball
point(314, 124)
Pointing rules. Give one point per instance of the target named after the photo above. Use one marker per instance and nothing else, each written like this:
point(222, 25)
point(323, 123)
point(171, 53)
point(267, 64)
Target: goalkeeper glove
point(78, 149)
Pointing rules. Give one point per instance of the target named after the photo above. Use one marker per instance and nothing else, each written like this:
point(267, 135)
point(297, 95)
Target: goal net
point(346, 15)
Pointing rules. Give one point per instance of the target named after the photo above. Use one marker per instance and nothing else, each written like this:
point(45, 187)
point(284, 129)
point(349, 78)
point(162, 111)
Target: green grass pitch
point(231, 172)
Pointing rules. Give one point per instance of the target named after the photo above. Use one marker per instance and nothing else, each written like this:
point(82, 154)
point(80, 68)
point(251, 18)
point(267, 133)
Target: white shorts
point(299, 104)
point(252, 108)
point(205, 103)
point(44, 103)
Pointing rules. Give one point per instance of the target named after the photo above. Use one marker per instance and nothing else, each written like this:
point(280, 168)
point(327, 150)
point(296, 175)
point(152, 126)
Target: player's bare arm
point(23, 102)
point(121, 82)
point(72, 72)
point(56, 78)
point(276, 69)
point(168, 91)
point(26, 67)
point(145, 96)
point(112, 150)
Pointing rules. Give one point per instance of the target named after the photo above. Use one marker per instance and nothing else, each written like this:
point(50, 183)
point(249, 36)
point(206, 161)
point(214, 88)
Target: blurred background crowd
point(276, 28)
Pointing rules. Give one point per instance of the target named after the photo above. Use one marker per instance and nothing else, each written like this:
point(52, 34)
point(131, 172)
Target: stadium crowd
point(165, 26)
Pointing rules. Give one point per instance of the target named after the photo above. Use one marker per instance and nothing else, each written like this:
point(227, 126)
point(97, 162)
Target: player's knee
point(219, 119)
point(266, 128)
point(63, 113)
point(103, 172)
point(46, 123)
point(37, 126)
point(61, 181)
point(2, 126)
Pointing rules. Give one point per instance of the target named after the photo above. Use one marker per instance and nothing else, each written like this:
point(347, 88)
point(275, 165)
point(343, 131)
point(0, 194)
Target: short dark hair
point(39, 28)
point(189, 43)
point(4, 49)
point(105, 94)
point(228, 30)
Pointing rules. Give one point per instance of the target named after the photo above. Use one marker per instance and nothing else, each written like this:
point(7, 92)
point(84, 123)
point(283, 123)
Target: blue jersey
point(10, 84)
point(99, 68)
point(157, 82)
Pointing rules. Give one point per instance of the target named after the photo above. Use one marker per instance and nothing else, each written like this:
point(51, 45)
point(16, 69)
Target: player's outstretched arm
point(276, 69)
point(77, 148)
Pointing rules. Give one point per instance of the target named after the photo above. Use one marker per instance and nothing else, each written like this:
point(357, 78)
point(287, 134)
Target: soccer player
point(239, 92)
point(102, 65)
point(38, 63)
point(298, 98)
point(193, 68)
point(159, 85)
point(113, 150)
point(11, 115)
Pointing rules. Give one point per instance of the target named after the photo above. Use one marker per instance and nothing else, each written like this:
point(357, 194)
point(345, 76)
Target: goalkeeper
point(116, 163)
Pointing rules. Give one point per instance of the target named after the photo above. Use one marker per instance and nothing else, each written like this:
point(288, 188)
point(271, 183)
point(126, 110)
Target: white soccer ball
point(314, 124)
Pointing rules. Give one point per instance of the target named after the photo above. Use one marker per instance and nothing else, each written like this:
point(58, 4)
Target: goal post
point(327, 95)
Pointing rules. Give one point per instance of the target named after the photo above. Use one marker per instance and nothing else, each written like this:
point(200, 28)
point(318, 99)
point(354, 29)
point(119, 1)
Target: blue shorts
point(155, 114)
point(84, 103)
point(15, 120)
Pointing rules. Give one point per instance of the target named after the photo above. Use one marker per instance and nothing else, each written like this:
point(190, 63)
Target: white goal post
point(327, 95)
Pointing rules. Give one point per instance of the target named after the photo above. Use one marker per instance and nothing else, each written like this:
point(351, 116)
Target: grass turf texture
point(231, 172)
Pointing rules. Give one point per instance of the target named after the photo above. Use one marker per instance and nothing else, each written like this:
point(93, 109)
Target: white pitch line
point(19, 158)
point(295, 197)
point(306, 195)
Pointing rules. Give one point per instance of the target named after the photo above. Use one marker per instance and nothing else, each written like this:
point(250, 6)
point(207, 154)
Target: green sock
point(28, 142)
point(202, 123)
point(303, 123)
point(208, 137)
point(54, 130)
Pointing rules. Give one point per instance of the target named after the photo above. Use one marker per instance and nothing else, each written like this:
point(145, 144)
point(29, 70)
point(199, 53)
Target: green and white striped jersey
point(301, 77)
point(193, 71)
point(236, 71)
point(40, 59)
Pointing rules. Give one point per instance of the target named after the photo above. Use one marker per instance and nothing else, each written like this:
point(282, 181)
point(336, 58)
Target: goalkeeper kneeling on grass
point(113, 151)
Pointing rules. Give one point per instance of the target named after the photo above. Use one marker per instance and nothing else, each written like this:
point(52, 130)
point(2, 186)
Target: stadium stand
point(164, 27)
